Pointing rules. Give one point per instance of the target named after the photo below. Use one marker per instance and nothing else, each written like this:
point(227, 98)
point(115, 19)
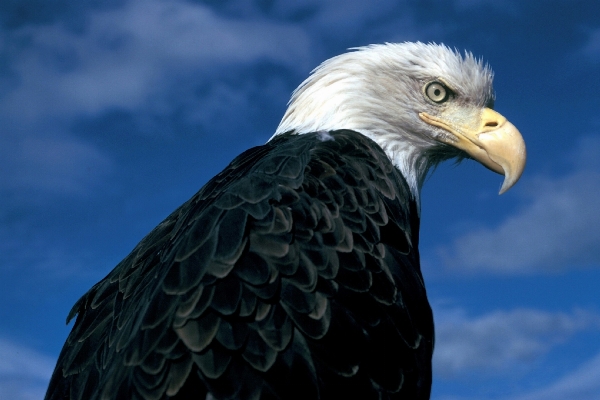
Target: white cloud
point(581, 384)
point(502, 6)
point(592, 48)
point(59, 165)
point(586, 155)
point(24, 373)
point(558, 229)
point(17, 360)
point(378, 20)
point(502, 340)
point(348, 13)
point(131, 58)
point(124, 55)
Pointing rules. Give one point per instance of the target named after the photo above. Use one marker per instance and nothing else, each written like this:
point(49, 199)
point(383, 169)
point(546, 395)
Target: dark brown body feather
point(294, 273)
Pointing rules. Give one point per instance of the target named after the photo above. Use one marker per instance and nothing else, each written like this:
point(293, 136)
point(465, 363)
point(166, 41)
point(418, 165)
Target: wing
point(294, 273)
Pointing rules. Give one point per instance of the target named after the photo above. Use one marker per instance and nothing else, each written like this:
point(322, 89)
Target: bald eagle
point(294, 273)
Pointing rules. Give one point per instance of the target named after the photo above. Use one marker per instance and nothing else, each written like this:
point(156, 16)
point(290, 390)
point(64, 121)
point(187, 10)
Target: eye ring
point(437, 92)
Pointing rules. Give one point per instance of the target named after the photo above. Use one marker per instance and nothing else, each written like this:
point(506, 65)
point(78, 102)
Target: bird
point(295, 272)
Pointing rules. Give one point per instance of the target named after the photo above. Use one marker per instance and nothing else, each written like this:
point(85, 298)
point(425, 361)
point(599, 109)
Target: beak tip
point(510, 179)
point(506, 149)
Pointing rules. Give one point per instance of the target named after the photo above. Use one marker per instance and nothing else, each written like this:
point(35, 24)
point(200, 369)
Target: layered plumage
point(294, 273)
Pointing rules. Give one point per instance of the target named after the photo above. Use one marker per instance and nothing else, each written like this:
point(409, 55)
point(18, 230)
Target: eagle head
point(422, 103)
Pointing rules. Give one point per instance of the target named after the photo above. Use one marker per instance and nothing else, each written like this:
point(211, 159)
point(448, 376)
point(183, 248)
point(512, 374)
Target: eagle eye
point(437, 92)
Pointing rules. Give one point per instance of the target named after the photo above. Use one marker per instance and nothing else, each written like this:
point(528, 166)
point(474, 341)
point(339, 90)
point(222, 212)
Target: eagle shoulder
point(292, 273)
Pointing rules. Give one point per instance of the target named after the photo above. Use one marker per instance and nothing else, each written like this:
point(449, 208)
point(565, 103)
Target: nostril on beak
point(491, 124)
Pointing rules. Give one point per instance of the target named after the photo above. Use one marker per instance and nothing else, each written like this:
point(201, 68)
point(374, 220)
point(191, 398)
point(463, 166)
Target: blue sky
point(113, 113)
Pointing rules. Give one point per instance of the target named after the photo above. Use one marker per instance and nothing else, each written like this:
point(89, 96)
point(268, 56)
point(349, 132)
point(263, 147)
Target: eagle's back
point(294, 273)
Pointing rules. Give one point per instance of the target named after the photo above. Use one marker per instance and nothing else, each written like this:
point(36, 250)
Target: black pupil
point(437, 92)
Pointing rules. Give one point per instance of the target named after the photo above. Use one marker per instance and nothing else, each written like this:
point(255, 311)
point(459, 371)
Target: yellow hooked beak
point(491, 140)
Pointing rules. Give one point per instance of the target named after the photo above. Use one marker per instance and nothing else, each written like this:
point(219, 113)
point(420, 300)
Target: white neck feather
point(340, 94)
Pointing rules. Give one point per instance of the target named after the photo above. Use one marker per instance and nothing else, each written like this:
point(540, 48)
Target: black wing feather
point(294, 273)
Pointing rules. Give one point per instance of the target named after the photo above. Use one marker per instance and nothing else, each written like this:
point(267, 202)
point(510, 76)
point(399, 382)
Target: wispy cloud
point(58, 165)
point(558, 229)
point(500, 340)
point(24, 373)
point(591, 48)
point(581, 384)
point(374, 21)
point(504, 6)
point(121, 58)
point(145, 58)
